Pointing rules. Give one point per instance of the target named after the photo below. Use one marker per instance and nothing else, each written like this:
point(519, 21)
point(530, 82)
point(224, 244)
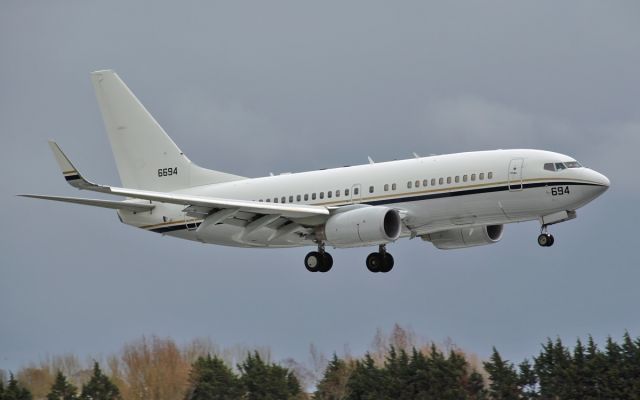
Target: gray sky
point(254, 87)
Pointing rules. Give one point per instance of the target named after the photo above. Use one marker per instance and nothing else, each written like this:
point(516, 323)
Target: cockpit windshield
point(559, 166)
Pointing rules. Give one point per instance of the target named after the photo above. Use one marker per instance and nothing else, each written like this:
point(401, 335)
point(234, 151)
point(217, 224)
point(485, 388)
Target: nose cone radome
point(601, 180)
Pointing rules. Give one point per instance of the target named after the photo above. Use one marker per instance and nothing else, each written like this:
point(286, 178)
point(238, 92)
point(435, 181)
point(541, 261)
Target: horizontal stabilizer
point(116, 205)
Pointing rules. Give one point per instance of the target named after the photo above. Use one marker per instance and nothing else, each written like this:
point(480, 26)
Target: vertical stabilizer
point(145, 155)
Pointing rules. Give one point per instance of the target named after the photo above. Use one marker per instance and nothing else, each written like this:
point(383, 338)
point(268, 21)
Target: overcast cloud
point(255, 87)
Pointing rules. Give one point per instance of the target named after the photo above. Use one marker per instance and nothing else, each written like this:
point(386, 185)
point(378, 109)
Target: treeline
point(397, 366)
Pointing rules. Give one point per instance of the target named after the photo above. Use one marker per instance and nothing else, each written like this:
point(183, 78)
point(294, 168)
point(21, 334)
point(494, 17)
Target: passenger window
point(337, 193)
point(386, 187)
point(322, 195)
point(370, 189)
point(409, 185)
point(284, 199)
point(393, 186)
point(481, 176)
point(490, 175)
point(440, 181)
point(329, 194)
point(298, 197)
point(425, 182)
point(465, 178)
point(560, 166)
point(448, 179)
point(457, 179)
point(306, 196)
point(356, 191)
point(268, 200)
point(549, 167)
point(275, 199)
point(313, 196)
point(417, 184)
point(290, 199)
point(346, 192)
point(473, 177)
point(433, 181)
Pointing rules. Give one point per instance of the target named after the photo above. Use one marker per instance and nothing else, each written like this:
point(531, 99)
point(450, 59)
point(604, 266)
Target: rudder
point(145, 155)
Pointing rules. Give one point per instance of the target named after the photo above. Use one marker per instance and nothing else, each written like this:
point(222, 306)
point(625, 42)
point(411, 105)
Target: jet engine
point(465, 237)
point(363, 226)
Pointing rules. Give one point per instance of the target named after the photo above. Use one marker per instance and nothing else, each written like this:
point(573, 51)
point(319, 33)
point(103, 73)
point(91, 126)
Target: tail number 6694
point(167, 171)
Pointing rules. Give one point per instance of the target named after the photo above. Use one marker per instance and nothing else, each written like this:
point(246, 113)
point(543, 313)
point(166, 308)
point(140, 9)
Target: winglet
point(71, 174)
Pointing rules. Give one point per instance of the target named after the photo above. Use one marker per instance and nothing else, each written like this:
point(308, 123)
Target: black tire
point(327, 262)
point(374, 262)
point(387, 265)
point(543, 240)
point(551, 241)
point(313, 261)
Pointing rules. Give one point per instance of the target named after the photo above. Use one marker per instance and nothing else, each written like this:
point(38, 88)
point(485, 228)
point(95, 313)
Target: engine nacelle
point(465, 237)
point(363, 226)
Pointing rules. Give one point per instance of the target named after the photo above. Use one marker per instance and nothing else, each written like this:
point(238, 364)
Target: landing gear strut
point(380, 261)
point(545, 239)
point(318, 261)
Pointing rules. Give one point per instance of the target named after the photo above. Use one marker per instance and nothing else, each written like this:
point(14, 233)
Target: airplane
point(452, 201)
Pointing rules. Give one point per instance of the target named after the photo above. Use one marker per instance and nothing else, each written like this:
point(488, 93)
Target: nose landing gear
point(545, 239)
point(318, 261)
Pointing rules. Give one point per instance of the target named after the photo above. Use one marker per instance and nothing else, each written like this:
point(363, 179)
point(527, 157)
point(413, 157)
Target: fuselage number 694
point(559, 190)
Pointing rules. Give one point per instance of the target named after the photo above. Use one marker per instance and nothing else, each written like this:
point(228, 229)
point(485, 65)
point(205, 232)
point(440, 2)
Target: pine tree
point(333, 385)
point(614, 388)
point(595, 369)
point(504, 379)
point(211, 379)
point(267, 381)
point(367, 381)
point(475, 386)
point(15, 391)
point(631, 365)
point(527, 380)
point(62, 389)
point(99, 387)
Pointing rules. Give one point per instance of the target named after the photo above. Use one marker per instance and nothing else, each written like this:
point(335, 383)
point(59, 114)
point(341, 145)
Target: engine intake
point(363, 226)
point(465, 237)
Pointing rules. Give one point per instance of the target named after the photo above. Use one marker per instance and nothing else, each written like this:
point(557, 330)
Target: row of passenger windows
point(313, 196)
point(356, 191)
point(441, 181)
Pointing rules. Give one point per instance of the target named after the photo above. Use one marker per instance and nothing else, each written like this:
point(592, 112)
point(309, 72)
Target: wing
point(75, 179)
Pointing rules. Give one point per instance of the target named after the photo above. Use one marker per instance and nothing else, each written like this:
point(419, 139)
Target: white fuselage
point(433, 194)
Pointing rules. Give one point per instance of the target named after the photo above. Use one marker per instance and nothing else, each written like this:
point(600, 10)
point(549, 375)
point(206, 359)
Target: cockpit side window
point(560, 166)
point(573, 164)
point(549, 167)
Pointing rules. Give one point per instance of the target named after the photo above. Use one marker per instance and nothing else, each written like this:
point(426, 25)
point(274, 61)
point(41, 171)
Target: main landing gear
point(545, 239)
point(318, 261)
point(380, 261)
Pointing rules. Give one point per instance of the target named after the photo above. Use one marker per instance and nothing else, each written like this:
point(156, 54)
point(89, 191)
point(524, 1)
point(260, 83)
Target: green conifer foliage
point(264, 381)
point(62, 389)
point(504, 379)
point(211, 379)
point(15, 391)
point(99, 387)
point(333, 385)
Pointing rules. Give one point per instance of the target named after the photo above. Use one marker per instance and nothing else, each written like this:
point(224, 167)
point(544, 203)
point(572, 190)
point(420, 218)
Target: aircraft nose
point(601, 180)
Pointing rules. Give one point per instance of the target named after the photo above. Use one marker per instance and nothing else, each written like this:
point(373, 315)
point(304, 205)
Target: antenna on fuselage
point(370, 160)
point(416, 155)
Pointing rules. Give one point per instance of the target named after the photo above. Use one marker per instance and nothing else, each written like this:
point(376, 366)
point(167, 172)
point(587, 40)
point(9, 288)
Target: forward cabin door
point(356, 193)
point(515, 174)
